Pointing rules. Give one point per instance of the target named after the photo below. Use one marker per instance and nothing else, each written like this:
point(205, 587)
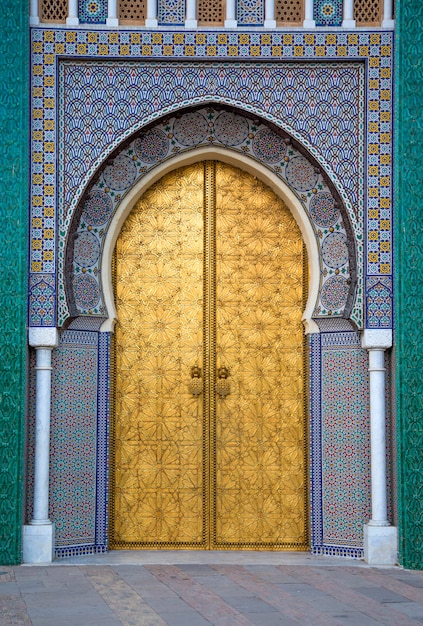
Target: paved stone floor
point(199, 589)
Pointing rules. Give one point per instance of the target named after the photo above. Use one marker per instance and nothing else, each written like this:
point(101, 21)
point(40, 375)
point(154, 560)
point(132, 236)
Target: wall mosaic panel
point(327, 12)
point(74, 438)
point(408, 282)
point(340, 443)
point(14, 46)
point(221, 128)
point(92, 11)
point(79, 441)
point(250, 12)
point(171, 12)
point(220, 82)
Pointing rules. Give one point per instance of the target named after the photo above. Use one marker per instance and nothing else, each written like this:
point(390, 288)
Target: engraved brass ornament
point(222, 383)
point(210, 286)
point(196, 383)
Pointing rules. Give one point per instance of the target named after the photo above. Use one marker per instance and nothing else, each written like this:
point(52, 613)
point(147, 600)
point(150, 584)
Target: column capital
point(376, 339)
point(43, 337)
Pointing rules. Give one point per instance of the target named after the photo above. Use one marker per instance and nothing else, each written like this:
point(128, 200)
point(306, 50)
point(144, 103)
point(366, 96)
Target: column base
point(151, 23)
point(348, 24)
point(191, 23)
point(380, 545)
point(112, 21)
point(72, 21)
point(269, 23)
point(231, 23)
point(388, 23)
point(38, 543)
point(309, 24)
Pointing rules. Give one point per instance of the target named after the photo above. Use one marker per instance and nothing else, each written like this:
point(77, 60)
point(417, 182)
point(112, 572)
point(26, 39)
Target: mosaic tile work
point(171, 12)
point(374, 49)
point(92, 11)
point(196, 129)
point(408, 281)
point(327, 12)
point(340, 443)
point(379, 308)
point(74, 438)
point(250, 12)
point(14, 73)
point(317, 105)
point(79, 440)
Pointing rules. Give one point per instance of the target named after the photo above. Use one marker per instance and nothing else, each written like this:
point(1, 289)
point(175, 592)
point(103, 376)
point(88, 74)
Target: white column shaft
point(112, 13)
point(72, 19)
point(378, 437)
point(151, 19)
point(112, 9)
point(308, 14)
point(269, 14)
point(34, 17)
point(191, 16)
point(348, 21)
point(230, 21)
point(42, 436)
point(388, 14)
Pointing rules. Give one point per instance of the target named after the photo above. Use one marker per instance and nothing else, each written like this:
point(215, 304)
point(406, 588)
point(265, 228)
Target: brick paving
point(200, 589)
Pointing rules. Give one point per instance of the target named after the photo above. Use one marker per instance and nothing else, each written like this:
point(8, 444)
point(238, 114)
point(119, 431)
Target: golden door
point(208, 438)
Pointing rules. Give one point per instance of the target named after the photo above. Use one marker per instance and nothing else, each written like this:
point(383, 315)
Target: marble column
point(269, 14)
point(230, 21)
point(112, 13)
point(38, 535)
point(151, 21)
point(380, 538)
point(388, 14)
point(308, 15)
point(34, 17)
point(348, 21)
point(191, 16)
point(72, 18)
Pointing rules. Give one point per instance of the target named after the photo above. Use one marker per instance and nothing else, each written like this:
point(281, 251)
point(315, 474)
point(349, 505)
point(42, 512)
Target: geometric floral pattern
point(328, 12)
point(42, 299)
point(73, 439)
point(171, 12)
point(178, 134)
point(373, 50)
point(340, 446)
point(379, 302)
point(92, 11)
point(250, 12)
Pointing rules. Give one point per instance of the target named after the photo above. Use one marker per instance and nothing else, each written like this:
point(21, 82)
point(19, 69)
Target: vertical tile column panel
point(13, 259)
point(408, 280)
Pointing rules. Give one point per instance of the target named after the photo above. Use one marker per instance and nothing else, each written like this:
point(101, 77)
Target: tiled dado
point(49, 46)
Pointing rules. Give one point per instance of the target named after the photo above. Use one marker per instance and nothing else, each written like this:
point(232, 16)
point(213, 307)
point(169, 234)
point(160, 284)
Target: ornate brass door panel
point(209, 275)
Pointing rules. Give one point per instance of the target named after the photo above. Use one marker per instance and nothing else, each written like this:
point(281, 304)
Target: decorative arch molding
point(233, 137)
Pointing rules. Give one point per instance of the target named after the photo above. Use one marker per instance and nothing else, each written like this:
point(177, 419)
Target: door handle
point(196, 383)
point(222, 384)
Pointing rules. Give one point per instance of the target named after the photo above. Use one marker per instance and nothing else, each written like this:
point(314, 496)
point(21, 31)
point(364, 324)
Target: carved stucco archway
point(252, 145)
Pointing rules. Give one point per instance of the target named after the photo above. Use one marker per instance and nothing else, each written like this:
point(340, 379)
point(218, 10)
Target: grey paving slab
point(201, 589)
point(270, 619)
point(168, 605)
point(250, 605)
point(381, 594)
point(191, 618)
point(9, 589)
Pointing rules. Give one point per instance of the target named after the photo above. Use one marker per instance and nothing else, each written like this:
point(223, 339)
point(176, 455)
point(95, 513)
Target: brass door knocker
point(222, 384)
point(196, 383)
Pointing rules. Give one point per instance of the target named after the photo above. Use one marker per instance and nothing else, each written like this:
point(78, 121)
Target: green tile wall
point(13, 268)
point(409, 281)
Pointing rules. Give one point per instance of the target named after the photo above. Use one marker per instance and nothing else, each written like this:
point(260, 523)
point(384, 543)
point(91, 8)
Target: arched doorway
point(209, 441)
